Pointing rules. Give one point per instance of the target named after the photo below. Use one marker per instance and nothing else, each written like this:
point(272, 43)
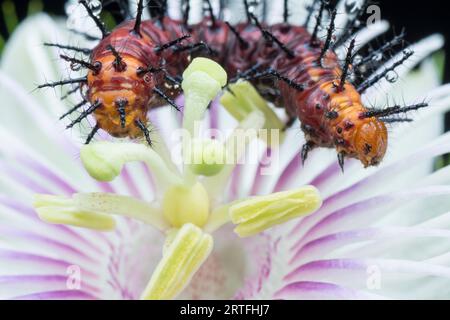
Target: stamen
point(95, 210)
point(183, 257)
point(245, 100)
point(260, 213)
point(61, 210)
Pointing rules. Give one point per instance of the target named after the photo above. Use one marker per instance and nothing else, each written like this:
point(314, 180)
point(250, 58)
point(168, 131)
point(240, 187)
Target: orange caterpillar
point(132, 70)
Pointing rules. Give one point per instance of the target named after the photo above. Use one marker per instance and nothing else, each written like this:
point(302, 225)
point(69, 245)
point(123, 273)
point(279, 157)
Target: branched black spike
point(72, 110)
point(173, 80)
point(211, 13)
point(383, 113)
point(194, 46)
point(187, 9)
point(259, 26)
point(94, 67)
point(70, 92)
point(172, 43)
point(150, 69)
point(62, 82)
point(383, 49)
point(160, 93)
point(120, 105)
point(137, 24)
point(264, 10)
point(97, 21)
point(289, 82)
point(318, 23)
point(92, 133)
point(247, 10)
point(286, 11)
point(242, 42)
point(118, 64)
point(144, 130)
point(348, 62)
point(271, 37)
point(85, 35)
point(371, 81)
point(223, 4)
point(67, 47)
point(164, 7)
point(245, 74)
point(310, 10)
point(124, 10)
point(84, 114)
point(157, 8)
point(395, 120)
point(327, 43)
point(341, 160)
point(276, 74)
point(353, 25)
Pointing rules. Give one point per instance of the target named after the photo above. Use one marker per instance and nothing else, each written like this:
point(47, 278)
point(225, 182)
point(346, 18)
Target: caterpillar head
point(124, 96)
point(356, 134)
point(370, 141)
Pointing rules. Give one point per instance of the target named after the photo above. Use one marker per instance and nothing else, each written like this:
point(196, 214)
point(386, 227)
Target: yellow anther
point(260, 213)
point(243, 99)
point(181, 260)
point(60, 210)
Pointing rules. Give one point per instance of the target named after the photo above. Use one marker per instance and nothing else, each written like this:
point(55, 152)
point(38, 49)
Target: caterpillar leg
point(289, 123)
point(144, 130)
point(307, 147)
point(341, 160)
point(92, 134)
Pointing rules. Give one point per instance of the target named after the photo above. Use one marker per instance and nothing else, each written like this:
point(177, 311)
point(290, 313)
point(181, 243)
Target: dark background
point(419, 18)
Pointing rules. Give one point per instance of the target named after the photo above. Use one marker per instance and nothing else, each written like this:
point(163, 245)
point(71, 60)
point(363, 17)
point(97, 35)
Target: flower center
point(183, 204)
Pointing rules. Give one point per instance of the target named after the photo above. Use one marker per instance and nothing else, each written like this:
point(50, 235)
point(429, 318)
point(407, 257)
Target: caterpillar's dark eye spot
point(339, 130)
point(318, 106)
